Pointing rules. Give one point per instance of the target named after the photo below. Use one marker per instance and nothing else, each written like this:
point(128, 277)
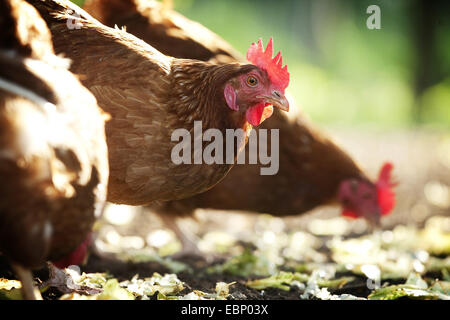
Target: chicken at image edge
point(313, 170)
point(53, 154)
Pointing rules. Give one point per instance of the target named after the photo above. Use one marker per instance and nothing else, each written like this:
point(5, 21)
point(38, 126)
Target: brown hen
point(53, 154)
point(150, 95)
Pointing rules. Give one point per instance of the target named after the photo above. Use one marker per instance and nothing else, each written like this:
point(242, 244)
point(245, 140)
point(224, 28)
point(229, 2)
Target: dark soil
point(195, 279)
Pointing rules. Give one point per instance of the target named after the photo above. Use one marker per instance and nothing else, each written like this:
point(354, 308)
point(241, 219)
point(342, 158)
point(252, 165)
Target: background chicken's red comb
point(274, 66)
point(386, 195)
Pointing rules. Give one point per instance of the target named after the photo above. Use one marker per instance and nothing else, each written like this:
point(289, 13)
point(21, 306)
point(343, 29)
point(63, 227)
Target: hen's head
point(362, 198)
point(261, 87)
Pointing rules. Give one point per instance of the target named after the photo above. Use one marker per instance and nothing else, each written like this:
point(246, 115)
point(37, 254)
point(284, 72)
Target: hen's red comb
point(274, 66)
point(386, 195)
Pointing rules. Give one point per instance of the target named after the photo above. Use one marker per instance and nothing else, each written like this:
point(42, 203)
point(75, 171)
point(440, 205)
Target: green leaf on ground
point(244, 265)
point(414, 288)
point(167, 285)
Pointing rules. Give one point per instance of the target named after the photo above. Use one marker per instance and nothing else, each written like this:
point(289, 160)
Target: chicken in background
point(53, 154)
point(149, 95)
point(313, 170)
point(165, 29)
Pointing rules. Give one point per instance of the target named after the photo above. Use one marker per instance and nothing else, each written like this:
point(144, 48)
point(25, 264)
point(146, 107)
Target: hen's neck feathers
point(197, 93)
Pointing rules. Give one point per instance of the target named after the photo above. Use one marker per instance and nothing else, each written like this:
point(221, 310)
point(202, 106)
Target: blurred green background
point(343, 73)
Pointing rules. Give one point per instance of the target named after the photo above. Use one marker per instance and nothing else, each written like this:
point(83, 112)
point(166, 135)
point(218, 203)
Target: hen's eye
point(252, 81)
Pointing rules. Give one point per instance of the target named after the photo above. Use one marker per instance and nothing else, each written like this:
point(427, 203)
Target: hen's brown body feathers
point(311, 165)
point(53, 155)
